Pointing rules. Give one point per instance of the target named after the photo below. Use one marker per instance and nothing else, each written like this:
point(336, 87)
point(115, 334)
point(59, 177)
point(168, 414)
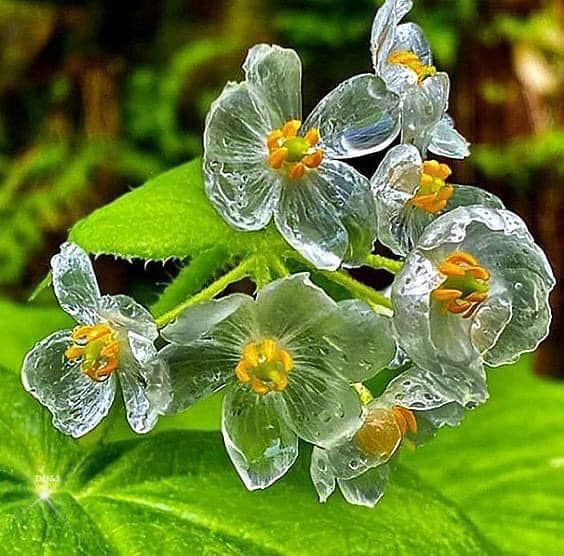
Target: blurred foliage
point(97, 96)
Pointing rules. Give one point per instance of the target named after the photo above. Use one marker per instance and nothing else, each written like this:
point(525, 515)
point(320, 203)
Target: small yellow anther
point(451, 269)
point(312, 136)
point(273, 139)
point(446, 294)
point(296, 171)
point(291, 128)
point(277, 157)
point(313, 160)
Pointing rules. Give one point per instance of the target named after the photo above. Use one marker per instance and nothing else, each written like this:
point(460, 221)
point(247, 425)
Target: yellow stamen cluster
point(98, 349)
point(384, 429)
point(292, 152)
point(466, 285)
point(265, 366)
point(433, 192)
point(411, 60)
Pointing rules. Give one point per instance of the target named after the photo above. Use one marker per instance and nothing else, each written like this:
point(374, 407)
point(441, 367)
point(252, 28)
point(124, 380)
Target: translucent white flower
point(74, 372)
point(474, 290)
point(288, 359)
point(402, 57)
point(410, 410)
point(411, 192)
point(260, 161)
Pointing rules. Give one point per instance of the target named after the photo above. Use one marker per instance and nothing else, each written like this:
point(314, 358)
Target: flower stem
point(240, 271)
point(278, 266)
point(383, 263)
point(358, 289)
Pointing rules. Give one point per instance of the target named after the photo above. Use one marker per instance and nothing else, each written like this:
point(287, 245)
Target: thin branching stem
point(241, 271)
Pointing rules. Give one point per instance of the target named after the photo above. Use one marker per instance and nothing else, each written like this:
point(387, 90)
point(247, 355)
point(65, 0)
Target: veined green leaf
point(504, 466)
point(177, 493)
point(169, 216)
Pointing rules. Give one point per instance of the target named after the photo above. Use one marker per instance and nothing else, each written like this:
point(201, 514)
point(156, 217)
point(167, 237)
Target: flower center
point(98, 349)
point(292, 152)
point(384, 429)
point(410, 60)
point(466, 285)
point(433, 192)
point(265, 366)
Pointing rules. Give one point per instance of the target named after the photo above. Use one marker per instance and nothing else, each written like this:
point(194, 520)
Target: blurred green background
point(96, 96)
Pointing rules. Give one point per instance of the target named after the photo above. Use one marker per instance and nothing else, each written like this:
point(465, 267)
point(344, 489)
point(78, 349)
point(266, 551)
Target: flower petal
point(466, 195)
point(237, 126)
point(418, 390)
point(196, 371)
point(329, 216)
point(373, 444)
point(436, 342)
point(423, 107)
point(384, 30)
point(237, 178)
point(139, 389)
point(75, 283)
point(408, 37)
point(321, 474)
point(277, 73)
point(366, 489)
point(76, 402)
point(258, 441)
point(394, 184)
point(355, 341)
point(346, 338)
point(123, 312)
point(200, 319)
point(289, 309)
point(360, 116)
point(210, 340)
point(245, 193)
point(447, 141)
point(526, 280)
point(321, 408)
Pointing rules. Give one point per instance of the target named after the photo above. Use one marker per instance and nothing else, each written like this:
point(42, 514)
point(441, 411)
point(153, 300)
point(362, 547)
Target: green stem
point(358, 289)
point(278, 266)
point(239, 272)
point(383, 263)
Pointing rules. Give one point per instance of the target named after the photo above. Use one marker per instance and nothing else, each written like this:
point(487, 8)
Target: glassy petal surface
point(76, 402)
point(321, 408)
point(328, 216)
point(258, 441)
point(277, 73)
point(359, 117)
point(447, 141)
point(245, 193)
point(75, 283)
point(366, 489)
point(321, 474)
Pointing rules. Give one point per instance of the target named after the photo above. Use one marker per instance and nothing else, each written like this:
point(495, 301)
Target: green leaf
point(176, 493)
point(504, 466)
point(191, 279)
point(169, 216)
point(21, 326)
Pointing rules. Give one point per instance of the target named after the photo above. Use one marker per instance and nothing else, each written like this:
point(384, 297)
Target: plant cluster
point(470, 285)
